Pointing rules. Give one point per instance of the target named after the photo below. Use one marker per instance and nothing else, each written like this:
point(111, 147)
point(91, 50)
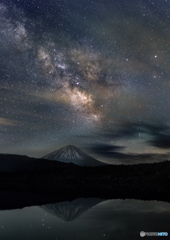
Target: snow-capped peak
point(69, 152)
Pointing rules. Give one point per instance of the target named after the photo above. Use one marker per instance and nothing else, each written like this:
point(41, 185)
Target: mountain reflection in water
point(78, 220)
point(69, 211)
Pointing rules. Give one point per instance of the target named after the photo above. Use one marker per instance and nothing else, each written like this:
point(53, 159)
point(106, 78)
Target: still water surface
point(86, 219)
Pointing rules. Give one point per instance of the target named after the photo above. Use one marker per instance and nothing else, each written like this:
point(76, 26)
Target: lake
point(85, 219)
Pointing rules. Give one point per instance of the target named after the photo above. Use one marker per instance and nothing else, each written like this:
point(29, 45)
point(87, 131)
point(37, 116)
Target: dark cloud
point(104, 149)
point(161, 141)
point(129, 130)
point(160, 136)
point(112, 155)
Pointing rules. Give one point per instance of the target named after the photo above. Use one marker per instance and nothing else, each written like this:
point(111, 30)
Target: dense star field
point(90, 73)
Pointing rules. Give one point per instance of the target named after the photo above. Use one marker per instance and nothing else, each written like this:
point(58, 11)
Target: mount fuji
point(74, 155)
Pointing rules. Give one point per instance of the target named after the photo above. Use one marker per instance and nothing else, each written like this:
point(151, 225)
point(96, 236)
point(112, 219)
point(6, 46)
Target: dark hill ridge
point(13, 163)
point(73, 154)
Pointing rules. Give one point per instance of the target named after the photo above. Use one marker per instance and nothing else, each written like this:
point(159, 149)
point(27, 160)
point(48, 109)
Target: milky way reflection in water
point(86, 219)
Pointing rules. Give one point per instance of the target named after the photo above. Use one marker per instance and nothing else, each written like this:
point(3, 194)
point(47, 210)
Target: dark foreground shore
point(142, 181)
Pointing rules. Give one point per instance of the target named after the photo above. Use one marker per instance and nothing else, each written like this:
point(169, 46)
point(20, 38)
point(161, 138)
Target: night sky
point(91, 73)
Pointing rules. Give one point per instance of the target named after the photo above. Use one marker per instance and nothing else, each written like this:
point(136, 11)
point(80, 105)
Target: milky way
point(90, 73)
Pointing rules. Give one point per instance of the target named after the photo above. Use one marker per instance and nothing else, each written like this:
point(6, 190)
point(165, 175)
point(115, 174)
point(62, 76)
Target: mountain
point(69, 211)
point(73, 154)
